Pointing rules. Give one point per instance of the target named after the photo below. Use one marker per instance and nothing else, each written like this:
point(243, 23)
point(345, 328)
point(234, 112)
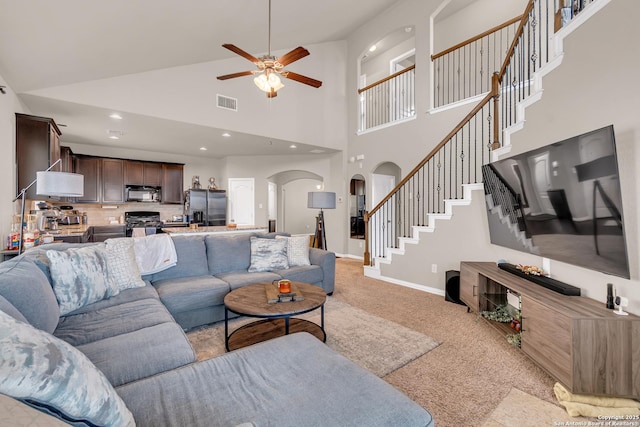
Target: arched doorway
point(289, 189)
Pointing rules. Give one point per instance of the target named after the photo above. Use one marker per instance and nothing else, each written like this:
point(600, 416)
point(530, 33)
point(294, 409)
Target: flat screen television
point(562, 201)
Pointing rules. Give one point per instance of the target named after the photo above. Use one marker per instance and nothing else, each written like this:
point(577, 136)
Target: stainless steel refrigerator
point(208, 207)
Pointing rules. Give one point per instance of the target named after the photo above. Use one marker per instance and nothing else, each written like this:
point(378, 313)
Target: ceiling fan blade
point(302, 79)
point(294, 55)
point(234, 75)
point(241, 52)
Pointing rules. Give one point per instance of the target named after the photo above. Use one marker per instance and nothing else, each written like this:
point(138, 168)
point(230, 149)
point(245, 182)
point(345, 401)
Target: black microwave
point(136, 193)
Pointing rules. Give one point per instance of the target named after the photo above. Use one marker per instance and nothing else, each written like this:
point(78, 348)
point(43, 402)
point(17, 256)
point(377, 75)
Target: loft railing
point(465, 70)
point(388, 100)
point(458, 158)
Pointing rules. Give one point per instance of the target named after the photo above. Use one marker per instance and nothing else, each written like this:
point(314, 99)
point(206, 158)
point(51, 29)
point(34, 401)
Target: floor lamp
point(321, 200)
point(59, 184)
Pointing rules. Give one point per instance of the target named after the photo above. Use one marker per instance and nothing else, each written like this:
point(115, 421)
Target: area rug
point(376, 344)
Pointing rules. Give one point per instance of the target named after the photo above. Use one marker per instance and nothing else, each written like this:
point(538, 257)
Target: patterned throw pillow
point(121, 263)
point(79, 276)
point(268, 255)
point(297, 250)
point(51, 375)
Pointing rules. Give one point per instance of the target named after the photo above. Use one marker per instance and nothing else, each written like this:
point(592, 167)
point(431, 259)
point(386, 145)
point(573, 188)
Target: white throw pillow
point(51, 375)
point(121, 263)
point(268, 255)
point(79, 276)
point(297, 250)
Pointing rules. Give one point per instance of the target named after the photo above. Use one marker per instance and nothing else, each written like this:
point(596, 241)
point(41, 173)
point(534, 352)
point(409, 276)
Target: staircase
point(450, 176)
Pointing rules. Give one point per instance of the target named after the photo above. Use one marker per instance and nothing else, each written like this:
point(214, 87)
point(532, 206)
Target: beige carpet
point(464, 379)
point(370, 341)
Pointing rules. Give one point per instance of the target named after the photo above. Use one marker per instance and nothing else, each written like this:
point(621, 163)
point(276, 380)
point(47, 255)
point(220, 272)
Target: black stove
point(142, 219)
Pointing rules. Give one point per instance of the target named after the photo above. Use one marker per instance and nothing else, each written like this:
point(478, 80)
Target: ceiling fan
point(271, 68)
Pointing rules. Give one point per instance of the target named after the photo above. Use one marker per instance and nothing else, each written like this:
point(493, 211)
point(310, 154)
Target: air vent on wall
point(227, 103)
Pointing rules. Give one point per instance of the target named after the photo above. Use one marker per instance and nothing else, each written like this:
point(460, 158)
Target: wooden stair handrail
point(516, 38)
point(493, 94)
point(433, 152)
point(476, 38)
point(379, 82)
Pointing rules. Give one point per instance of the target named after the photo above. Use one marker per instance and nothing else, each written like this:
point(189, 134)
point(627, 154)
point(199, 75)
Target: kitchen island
point(215, 229)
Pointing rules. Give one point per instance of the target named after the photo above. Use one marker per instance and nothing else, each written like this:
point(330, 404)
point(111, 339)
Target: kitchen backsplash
point(99, 215)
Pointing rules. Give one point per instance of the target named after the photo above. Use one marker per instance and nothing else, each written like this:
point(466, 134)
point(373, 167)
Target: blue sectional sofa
point(125, 360)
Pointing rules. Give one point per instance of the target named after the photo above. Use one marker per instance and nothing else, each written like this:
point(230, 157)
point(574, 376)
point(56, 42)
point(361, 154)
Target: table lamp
point(321, 200)
point(50, 183)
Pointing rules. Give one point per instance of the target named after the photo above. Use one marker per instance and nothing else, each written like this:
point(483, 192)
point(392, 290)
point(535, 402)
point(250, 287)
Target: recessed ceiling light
point(408, 29)
point(116, 116)
point(115, 134)
point(373, 48)
point(226, 134)
point(203, 148)
point(293, 146)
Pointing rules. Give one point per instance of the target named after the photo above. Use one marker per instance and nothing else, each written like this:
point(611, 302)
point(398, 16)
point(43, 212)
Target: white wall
point(188, 94)
point(474, 19)
point(9, 105)
point(298, 219)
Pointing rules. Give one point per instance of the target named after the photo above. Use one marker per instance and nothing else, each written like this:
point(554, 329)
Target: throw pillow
point(122, 266)
point(53, 376)
point(79, 276)
point(268, 255)
point(297, 250)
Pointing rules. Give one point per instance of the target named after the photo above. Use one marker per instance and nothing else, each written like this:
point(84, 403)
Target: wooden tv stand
point(577, 340)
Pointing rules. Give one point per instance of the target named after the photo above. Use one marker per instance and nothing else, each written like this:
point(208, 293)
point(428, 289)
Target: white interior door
point(242, 201)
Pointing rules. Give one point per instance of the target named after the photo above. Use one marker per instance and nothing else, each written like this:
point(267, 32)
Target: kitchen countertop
point(68, 230)
point(221, 229)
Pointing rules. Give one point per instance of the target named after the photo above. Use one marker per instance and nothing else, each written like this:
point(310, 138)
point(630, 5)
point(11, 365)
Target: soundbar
point(547, 282)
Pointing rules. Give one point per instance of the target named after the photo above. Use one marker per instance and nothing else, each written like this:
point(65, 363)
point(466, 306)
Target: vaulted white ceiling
point(48, 44)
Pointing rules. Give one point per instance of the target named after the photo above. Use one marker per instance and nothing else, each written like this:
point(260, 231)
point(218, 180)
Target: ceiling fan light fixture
point(268, 84)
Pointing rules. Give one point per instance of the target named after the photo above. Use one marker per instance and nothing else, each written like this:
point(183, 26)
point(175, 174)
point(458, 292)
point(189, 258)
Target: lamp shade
point(61, 184)
point(321, 200)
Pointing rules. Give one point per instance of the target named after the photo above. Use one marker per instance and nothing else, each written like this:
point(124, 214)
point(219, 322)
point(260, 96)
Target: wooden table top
point(251, 300)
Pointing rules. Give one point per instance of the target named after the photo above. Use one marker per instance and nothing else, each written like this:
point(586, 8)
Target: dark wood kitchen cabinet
point(142, 173)
point(66, 157)
point(37, 147)
point(172, 175)
point(91, 168)
point(112, 180)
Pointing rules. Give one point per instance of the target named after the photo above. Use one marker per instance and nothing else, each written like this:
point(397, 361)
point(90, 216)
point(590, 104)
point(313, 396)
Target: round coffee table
point(276, 318)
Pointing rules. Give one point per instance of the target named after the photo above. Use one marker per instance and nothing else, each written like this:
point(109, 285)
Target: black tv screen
point(561, 201)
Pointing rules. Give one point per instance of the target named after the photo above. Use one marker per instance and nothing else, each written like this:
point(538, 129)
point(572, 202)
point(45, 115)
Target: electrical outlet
point(434, 268)
point(360, 244)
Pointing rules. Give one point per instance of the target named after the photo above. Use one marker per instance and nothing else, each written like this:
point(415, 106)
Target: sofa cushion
point(79, 276)
point(9, 309)
point(128, 295)
point(123, 268)
point(139, 354)
point(310, 385)
point(297, 249)
point(303, 273)
point(189, 293)
point(268, 255)
point(25, 286)
point(237, 279)
point(111, 321)
point(192, 259)
point(228, 252)
point(47, 373)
